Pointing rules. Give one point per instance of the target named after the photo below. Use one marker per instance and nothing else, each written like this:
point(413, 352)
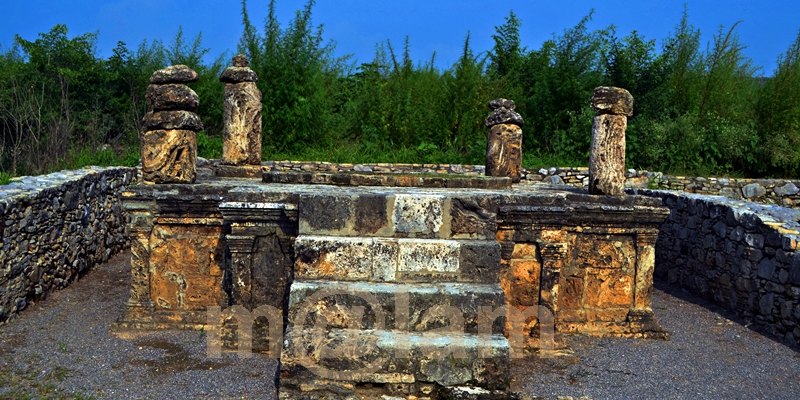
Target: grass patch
point(5, 178)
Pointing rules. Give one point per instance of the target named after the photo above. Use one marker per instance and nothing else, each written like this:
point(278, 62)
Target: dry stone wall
point(55, 228)
point(741, 255)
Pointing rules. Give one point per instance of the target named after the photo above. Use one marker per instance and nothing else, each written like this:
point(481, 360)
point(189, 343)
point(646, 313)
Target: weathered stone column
point(607, 159)
point(169, 144)
point(504, 142)
point(242, 114)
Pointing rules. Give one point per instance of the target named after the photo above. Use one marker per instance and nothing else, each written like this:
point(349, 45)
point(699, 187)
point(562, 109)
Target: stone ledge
point(396, 260)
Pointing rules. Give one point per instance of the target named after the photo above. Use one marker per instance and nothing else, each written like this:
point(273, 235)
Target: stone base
point(636, 324)
point(392, 362)
point(147, 318)
point(327, 390)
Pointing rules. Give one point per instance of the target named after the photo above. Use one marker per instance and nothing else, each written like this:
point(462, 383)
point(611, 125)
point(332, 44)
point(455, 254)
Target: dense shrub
point(696, 111)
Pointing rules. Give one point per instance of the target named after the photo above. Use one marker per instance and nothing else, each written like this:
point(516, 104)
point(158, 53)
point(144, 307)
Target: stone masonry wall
point(742, 255)
point(55, 228)
point(782, 192)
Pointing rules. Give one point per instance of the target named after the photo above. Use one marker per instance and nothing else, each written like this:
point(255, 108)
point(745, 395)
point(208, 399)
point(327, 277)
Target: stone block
point(479, 261)
point(607, 158)
point(174, 74)
point(321, 214)
point(417, 214)
point(504, 151)
point(186, 267)
point(370, 214)
point(168, 120)
point(394, 358)
point(524, 279)
point(342, 258)
point(612, 100)
point(238, 74)
point(766, 268)
point(571, 294)
point(417, 307)
point(384, 259)
point(753, 190)
point(473, 218)
point(419, 256)
point(608, 288)
point(172, 97)
point(169, 156)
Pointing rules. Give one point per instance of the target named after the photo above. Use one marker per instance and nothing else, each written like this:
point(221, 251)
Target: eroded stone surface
point(607, 159)
point(169, 120)
point(504, 151)
point(169, 97)
point(418, 213)
point(343, 258)
point(503, 113)
point(169, 156)
point(174, 74)
point(238, 74)
point(242, 118)
point(474, 218)
point(612, 100)
point(420, 256)
point(187, 267)
point(390, 259)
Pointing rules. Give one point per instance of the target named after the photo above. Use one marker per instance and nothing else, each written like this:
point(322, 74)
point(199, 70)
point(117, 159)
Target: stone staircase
point(384, 304)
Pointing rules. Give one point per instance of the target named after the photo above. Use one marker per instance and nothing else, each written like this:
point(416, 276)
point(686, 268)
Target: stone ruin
point(169, 143)
point(242, 114)
point(504, 141)
point(368, 285)
point(607, 160)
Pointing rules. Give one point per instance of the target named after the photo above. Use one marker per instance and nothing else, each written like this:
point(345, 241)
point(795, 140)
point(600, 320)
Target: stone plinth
point(389, 290)
point(242, 115)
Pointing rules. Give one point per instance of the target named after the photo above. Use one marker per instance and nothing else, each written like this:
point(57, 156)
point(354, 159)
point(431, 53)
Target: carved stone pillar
point(169, 143)
point(607, 159)
point(141, 225)
point(242, 114)
point(645, 263)
point(553, 255)
point(504, 142)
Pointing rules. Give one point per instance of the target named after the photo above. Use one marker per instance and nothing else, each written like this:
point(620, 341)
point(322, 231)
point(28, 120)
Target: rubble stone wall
point(55, 228)
point(742, 255)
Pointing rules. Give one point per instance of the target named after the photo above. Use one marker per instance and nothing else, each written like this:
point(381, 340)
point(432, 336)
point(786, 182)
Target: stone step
point(399, 212)
point(415, 307)
point(406, 362)
point(396, 260)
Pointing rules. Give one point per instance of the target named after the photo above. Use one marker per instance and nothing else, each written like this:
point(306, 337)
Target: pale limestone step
point(414, 307)
point(394, 357)
point(396, 260)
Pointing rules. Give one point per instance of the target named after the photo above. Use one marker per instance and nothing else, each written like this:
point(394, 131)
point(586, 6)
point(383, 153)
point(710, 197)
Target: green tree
point(778, 114)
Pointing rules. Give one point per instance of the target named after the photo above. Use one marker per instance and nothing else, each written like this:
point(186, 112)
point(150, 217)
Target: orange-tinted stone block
point(572, 294)
point(186, 267)
point(608, 288)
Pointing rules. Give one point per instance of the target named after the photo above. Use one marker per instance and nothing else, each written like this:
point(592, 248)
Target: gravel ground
point(711, 355)
point(62, 348)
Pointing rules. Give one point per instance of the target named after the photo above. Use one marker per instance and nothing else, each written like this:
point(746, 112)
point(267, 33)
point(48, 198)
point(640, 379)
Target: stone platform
point(400, 291)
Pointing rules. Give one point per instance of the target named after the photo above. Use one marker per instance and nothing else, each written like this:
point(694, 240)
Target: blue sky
point(767, 29)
